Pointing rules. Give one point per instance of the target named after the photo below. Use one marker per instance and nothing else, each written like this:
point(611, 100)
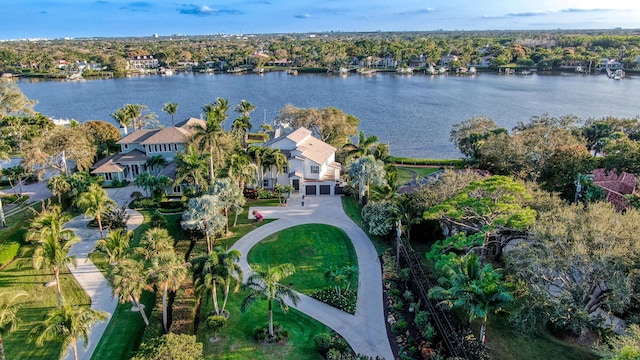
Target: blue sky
point(79, 18)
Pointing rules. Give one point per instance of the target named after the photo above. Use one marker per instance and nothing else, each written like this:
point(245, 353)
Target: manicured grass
point(353, 210)
point(237, 340)
point(405, 174)
point(506, 344)
point(124, 332)
point(20, 275)
point(312, 249)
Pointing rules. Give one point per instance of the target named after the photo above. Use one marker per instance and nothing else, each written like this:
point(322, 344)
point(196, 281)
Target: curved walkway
point(366, 330)
point(89, 277)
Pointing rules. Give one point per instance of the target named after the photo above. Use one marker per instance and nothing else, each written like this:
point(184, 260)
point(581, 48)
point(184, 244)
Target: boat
point(236, 70)
point(166, 71)
point(343, 70)
point(61, 122)
point(366, 71)
point(259, 70)
point(75, 76)
point(404, 71)
point(442, 70)
point(430, 70)
point(525, 72)
point(472, 70)
point(618, 74)
point(292, 72)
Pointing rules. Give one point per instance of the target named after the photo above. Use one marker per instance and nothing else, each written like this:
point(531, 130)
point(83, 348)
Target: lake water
point(414, 114)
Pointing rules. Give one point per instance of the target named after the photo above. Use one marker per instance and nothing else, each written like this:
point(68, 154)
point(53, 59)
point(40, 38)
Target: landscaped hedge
point(432, 162)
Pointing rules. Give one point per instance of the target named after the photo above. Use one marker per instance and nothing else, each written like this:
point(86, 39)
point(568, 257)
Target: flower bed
point(346, 302)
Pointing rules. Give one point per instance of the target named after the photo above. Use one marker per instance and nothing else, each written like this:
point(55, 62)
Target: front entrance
point(296, 184)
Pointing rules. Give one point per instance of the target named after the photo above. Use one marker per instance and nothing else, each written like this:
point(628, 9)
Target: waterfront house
point(610, 64)
point(312, 169)
point(136, 148)
point(447, 60)
point(141, 62)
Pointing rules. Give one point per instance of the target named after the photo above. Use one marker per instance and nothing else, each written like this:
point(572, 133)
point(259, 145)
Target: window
point(265, 183)
point(285, 170)
point(315, 169)
point(108, 176)
point(125, 146)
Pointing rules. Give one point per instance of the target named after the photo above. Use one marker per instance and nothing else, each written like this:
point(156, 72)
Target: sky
point(22, 19)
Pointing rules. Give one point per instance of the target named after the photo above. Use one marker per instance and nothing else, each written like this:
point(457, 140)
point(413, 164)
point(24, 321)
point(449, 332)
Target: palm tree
point(207, 138)
point(116, 244)
point(68, 324)
point(264, 283)
point(122, 118)
point(476, 290)
point(207, 276)
point(257, 154)
point(52, 243)
point(156, 162)
point(134, 112)
point(59, 185)
point(145, 181)
point(171, 108)
point(95, 202)
point(241, 127)
point(245, 108)
point(364, 146)
point(277, 161)
point(230, 271)
point(9, 315)
point(155, 241)
point(191, 167)
point(128, 281)
point(241, 169)
point(167, 271)
point(4, 155)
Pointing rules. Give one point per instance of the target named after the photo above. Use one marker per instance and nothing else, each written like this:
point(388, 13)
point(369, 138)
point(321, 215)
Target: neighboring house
point(140, 145)
point(610, 64)
point(143, 62)
point(616, 186)
point(483, 62)
point(448, 59)
point(312, 167)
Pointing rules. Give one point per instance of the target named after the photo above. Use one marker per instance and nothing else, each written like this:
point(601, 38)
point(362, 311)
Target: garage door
point(310, 189)
point(325, 189)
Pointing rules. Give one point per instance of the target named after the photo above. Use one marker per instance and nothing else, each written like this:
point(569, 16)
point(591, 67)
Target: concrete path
point(366, 330)
point(88, 276)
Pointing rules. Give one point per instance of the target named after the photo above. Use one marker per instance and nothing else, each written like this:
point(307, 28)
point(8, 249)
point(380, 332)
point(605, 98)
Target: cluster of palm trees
point(137, 116)
point(53, 242)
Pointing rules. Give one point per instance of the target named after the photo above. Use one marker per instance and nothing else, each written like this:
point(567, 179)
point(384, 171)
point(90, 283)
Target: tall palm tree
point(116, 244)
point(240, 128)
point(122, 118)
point(4, 155)
point(59, 185)
point(156, 162)
point(68, 324)
point(155, 241)
point(208, 138)
point(94, 202)
point(264, 283)
point(207, 275)
point(363, 147)
point(52, 243)
point(245, 108)
point(167, 271)
point(277, 161)
point(241, 169)
point(230, 271)
point(9, 305)
point(134, 112)
point(171, 108)
point(257, 154)
point(476, 290)
point(128, 281)
point(191, 167)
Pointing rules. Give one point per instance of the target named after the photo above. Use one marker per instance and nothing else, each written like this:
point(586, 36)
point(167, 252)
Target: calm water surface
point(414, 114)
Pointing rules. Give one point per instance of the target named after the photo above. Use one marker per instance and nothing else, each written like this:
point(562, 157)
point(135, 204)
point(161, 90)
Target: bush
point(158, 221)
point(216, 322)
point(340, 344)
point(422, 319)
point(136, 195)
point(323, 342)
point(334, 354)
point(400, 327)
point(429, 332)
point(144, 203)
point(346, 302)
point(8, 251)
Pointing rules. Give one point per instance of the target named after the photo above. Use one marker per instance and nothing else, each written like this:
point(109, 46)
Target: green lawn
point(237, 340)
point(19, 275)
point(405, 173)
point(506, 344)
point(353, 210)
point(312, 249)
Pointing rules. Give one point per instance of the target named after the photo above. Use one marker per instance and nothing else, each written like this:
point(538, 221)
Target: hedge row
point(433, 162)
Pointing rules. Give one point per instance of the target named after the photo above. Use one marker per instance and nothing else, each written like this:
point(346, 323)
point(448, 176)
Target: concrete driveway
point(365, 331)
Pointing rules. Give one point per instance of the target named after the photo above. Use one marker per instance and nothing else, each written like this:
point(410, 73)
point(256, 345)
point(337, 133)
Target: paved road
point(88, 276)
point(366, 330)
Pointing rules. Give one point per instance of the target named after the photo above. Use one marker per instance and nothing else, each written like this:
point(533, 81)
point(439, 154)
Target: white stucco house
point(312, 167)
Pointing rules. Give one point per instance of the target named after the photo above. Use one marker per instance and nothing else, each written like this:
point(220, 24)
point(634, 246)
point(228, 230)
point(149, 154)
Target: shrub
point(216, 322)
point(144, 203)
point(334, 354)
point(323, 342)
point(158, 221)
point(115, 183)
point(429, 332)
point(346, 302)
point(136, 195)
point(400, 327)
point(422, 319)
point(340, 344)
